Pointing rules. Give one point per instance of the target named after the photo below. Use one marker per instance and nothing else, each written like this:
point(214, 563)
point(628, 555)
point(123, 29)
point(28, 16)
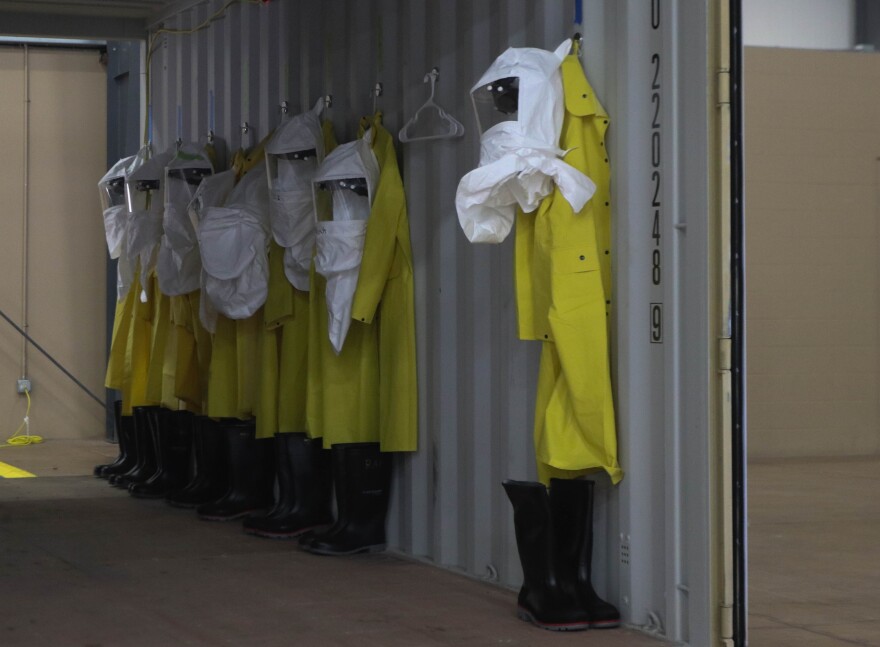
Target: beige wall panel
point(813, 261)
point(11, 200)
point(66, 264)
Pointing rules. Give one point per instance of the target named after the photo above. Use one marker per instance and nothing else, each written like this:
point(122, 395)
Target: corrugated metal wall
point(476, 379)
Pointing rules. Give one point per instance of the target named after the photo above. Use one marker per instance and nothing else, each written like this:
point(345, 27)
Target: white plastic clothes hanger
point(434, 121)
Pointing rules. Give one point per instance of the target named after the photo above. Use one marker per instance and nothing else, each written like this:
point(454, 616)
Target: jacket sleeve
point(381, 238)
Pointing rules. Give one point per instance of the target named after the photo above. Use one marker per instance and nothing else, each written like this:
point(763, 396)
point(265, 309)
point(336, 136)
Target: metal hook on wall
point(328, 100)
point(377, 92)
point(285, 107)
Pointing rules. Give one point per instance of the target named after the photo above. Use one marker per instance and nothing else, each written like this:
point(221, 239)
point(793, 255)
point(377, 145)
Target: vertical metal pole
point(25, 209)
point(737, 315)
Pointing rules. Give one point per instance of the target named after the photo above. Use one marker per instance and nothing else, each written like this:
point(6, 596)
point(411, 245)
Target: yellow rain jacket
point(137, 350)
point(368, 393)
point(563, 284)
point(233, 374)
point(384, 297)
point(284, 341)
point(193, 352)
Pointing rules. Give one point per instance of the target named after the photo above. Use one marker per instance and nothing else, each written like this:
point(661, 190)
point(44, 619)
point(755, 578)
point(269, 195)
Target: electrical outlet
point(23, 385)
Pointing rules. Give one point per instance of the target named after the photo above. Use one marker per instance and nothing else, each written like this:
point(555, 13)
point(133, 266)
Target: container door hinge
point(723, 90)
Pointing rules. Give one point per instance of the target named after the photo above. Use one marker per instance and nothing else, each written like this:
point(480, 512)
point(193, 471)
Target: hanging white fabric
point(340, 242)
point(213, 191)
point(292, 157)
point(179, 263)
point(519, 157)
point(233, 240)
point(144, 187)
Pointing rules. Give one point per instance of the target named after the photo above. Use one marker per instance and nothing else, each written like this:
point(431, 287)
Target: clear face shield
point(141, 194)
point(181, 183)
point(113, 193)
point(496, 102)
point(290, 171)
point(342, 199)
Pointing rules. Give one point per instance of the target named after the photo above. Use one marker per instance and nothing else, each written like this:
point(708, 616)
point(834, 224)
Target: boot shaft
point(571, 504)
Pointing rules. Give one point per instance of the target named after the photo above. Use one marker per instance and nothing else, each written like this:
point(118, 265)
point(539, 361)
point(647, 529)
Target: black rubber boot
point(304, 489)
point(571, 503)
point(251, 474)
point(122, 442)
point(338, 480)
point(210, 480)
point(172, 439)
point(548, 597)
point(146, 453)
point(127, 458)
point(363, 493)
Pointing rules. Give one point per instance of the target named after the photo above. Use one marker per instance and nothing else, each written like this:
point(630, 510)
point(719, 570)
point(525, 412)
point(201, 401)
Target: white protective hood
point(115, 213)
point(179, 264)
point(213, 191)
point(340, 242)
point(519, 160)
point(233, 240)
point(145, 211)
point(291, 209)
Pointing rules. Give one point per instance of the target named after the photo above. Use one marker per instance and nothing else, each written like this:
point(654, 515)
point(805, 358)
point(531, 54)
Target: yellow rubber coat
point(284, 344)
point(193, 352)
point(563, 283)
point(160, 375)
point(234, 371)
point(367, 393)
point(384, 298)
point(137, 350)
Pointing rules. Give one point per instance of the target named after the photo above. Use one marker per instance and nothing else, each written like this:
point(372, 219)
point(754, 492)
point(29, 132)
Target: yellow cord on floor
point(18, 440)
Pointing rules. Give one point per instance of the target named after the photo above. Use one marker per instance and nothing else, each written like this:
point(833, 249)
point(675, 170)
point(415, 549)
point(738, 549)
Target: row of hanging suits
point(265, 310)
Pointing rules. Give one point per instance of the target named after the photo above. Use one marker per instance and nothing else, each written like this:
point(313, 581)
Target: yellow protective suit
point(284, 344)
point(160, 375)
point(384, 297)
point(193, 352)
point(114, 378)
point(563, 284)
point(137, 349)
point(233, 373)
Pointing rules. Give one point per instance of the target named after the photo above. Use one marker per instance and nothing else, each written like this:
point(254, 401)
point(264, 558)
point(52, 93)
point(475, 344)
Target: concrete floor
point(814, 553)
point(83, 564)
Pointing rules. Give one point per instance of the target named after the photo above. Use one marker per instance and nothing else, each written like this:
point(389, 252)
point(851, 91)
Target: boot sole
point(187, 506)
point(375, 548)
point(605, 624)
point(523, 614)
point(280, 535)
point(239, 515)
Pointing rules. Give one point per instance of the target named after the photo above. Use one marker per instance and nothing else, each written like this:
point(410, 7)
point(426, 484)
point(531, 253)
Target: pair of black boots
point(249, 465)
point(209, 478)
point(361, 476)
point(302, 468)
point(154, 454)
point(554, 536)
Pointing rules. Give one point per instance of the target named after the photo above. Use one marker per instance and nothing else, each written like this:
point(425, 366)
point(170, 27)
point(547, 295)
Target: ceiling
point(100, 19)
point(99, 8)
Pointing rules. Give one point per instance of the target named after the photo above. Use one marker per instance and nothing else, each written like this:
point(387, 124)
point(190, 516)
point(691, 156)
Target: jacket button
point(583, 258)
point(546, 336)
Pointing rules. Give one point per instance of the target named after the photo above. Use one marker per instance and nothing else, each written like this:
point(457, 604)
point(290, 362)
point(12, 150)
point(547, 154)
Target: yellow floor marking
point(7, 471)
